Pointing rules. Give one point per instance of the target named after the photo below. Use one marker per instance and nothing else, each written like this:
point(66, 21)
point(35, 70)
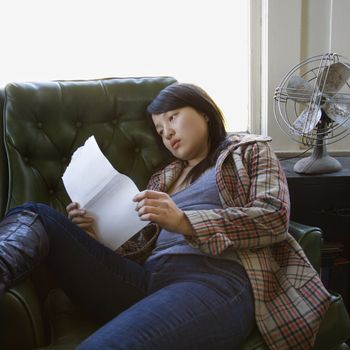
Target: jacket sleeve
point(256, 214)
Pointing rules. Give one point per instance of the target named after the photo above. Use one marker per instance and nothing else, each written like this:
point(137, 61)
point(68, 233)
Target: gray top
point(200, 195)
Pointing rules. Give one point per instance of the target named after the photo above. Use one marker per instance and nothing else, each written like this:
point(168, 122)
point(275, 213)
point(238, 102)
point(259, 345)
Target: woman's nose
point(168, 133)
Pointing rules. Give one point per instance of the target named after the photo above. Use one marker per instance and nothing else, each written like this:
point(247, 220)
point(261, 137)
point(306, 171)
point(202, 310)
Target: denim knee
point(31, 206)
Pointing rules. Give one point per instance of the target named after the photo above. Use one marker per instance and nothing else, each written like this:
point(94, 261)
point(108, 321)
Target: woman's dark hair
point(179, 95)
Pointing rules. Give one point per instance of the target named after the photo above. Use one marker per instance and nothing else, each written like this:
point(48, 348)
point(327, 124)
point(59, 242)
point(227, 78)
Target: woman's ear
point(205, 117)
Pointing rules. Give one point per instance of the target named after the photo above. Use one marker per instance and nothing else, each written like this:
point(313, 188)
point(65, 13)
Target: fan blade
point(307, 120)
point(299, 89)
point(338, 74)
point(338, 112)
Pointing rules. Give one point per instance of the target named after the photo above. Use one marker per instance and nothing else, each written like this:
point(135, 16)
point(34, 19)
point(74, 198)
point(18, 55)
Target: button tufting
point(114, 121)
point(39, 125)
point(78, 124)
point(137, 150)
point(26, 159)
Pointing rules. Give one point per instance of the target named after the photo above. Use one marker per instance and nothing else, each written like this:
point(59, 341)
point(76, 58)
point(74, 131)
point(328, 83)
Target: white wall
point(296, 30)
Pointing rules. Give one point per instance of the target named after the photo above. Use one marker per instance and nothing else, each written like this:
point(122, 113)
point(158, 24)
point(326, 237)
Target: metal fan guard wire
point(331, 133)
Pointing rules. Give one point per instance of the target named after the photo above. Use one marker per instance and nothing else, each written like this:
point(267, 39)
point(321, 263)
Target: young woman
point(222, 262)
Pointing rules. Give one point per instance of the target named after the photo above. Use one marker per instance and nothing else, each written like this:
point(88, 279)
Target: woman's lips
point(175, 144)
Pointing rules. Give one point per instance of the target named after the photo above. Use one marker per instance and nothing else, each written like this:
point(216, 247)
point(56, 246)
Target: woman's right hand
point(79, 217)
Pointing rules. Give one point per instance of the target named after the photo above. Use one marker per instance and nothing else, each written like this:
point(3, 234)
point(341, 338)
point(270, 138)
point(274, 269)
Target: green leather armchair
point(43, 124)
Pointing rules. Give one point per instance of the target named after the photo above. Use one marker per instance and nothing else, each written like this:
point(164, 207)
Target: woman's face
point(185, 133)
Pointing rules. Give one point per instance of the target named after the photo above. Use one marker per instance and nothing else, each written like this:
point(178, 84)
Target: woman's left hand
point(159, 208)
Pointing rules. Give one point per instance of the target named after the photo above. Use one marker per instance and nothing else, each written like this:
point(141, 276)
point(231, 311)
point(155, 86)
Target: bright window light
point(203, 42)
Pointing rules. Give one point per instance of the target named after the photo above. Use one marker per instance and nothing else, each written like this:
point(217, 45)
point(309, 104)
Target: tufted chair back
point(46, 122)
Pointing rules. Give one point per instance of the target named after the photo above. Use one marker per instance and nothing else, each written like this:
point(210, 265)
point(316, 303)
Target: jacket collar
point(241, 139)
point(170, 173)
point(173, 170)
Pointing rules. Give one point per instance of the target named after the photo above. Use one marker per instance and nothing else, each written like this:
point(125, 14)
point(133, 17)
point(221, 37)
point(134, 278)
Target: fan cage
point(285, 109)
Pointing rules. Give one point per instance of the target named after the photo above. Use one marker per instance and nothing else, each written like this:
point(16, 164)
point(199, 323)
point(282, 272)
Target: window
point(198, 41)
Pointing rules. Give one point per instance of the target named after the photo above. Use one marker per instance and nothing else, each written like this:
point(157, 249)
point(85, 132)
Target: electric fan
point(312, 106)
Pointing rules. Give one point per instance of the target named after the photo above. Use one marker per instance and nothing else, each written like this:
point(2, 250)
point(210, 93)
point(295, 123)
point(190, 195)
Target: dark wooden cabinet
point(324, 200)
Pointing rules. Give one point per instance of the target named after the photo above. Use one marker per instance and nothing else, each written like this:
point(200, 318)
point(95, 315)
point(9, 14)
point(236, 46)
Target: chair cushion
point(254, 341)
point(68, 325)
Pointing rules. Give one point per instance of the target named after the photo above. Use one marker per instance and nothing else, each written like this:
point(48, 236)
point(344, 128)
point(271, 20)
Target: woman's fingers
point(149, 194)
point(149, 208)
point(159, 207)
point(82, 220)
point(84, 225)
point(72, 206)
point(151, 203)
point(73, 209)
point(76, 213)
point(91, 234)
point(79, 217)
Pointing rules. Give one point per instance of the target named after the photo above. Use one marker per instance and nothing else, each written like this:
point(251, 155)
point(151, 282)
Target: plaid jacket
point(290, 299)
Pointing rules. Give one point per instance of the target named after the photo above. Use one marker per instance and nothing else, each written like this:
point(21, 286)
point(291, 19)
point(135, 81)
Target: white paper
point(105, 193)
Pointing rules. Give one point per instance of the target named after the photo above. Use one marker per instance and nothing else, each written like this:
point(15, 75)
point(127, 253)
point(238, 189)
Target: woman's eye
point(160, 132)
point(171, 117)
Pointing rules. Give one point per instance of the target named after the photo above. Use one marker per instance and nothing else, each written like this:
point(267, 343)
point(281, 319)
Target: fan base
point(314, 165)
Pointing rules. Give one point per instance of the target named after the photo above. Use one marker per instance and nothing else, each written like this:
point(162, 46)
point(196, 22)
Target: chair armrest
point(21, 319)
point(310, 239)
point(335, 326)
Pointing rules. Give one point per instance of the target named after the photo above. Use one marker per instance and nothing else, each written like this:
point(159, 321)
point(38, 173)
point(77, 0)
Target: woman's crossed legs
point(182, 302)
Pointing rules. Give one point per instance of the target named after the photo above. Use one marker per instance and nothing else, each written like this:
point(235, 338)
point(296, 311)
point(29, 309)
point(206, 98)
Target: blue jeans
point(176, 302)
